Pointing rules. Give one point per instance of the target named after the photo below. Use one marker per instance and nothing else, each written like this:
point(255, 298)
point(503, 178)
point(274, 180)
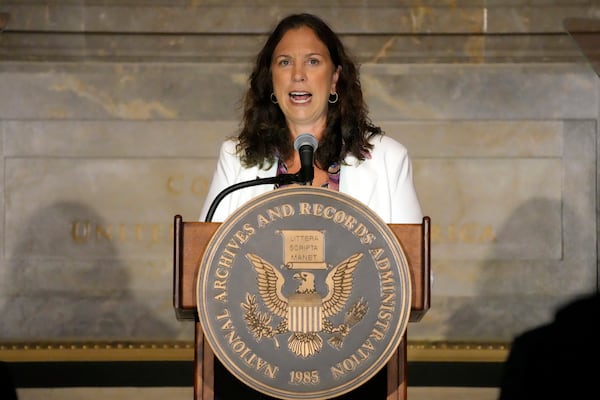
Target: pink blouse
point(333, 171)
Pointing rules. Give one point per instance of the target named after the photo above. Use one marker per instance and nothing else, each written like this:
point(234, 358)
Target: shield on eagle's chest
point(305, 313)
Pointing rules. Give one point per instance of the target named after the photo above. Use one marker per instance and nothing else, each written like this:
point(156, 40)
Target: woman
point(303, 81)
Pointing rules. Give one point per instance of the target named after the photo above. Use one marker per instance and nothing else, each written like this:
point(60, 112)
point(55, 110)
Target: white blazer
point(383, 182)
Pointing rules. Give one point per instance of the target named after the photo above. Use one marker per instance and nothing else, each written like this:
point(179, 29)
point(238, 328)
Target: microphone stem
point(283, 179)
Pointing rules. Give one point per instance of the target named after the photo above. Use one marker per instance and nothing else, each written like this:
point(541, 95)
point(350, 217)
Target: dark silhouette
point(7, 387)
point(558, 360)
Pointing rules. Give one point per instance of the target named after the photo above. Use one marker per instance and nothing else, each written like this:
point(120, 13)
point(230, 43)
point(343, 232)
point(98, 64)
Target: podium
point(191, 239)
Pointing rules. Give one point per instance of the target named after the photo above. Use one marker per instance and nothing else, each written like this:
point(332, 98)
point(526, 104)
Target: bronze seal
point(303, 293)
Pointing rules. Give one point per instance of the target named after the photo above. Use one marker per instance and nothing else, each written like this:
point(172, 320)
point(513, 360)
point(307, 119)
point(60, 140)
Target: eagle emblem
point(305, 313)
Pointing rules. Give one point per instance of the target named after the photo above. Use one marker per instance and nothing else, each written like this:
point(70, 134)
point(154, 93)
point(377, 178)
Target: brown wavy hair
point(264, 134)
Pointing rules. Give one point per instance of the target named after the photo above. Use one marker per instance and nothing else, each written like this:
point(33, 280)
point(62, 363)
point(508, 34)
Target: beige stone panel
point(472, 175)
point(100, 138)
point(528, 186)
point(90, 249)
point(81, 240)
point(63, 299)
point(122, 91)
point(90, 200)
point(454, 92)
point(479, 139)
point(470, 201)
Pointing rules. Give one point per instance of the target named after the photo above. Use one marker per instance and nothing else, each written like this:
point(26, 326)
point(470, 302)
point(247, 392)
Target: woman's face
point(303, 76)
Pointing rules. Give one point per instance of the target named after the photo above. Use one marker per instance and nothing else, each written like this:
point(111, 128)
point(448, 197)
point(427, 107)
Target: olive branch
point(259, 323)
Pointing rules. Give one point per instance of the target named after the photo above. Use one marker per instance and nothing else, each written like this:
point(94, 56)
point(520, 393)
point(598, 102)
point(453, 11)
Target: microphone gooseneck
point(306, 145)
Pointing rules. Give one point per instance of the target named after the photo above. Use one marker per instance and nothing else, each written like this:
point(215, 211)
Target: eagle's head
point(307, 282)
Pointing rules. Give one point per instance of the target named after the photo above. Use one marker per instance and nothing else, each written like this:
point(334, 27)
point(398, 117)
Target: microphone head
point(306, 139)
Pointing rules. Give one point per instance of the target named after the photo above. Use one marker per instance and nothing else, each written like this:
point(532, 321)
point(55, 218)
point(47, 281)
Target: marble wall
point(111, 114)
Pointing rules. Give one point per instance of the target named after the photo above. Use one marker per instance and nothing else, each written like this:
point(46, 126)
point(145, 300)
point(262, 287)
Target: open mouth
point(300, 97)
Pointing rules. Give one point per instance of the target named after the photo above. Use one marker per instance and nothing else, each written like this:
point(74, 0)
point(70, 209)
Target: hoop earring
point(333, 98)
point(273, 98)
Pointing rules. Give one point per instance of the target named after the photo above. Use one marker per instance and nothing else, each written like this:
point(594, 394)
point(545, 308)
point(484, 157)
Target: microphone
point(306, 145)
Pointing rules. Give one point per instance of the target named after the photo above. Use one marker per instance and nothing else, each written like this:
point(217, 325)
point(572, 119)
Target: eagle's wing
point(339, 282)
point(270, 281)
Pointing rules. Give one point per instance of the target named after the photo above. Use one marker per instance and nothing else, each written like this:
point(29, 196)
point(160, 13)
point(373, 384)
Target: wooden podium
point(190, 242)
